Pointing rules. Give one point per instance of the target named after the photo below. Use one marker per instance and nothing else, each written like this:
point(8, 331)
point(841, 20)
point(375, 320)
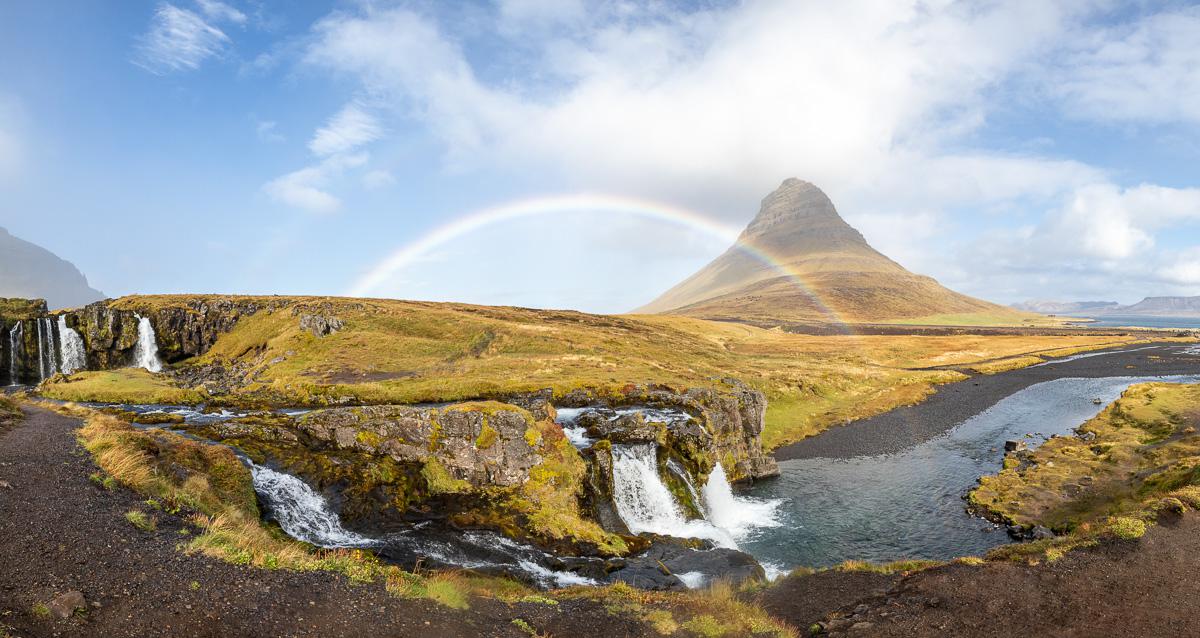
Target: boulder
point(1014, 446)
point(658, 568)
point(320, 325)
point(65, 605)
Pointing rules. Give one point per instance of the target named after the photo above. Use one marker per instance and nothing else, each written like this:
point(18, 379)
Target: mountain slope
point(30, 271)
point(798, 260)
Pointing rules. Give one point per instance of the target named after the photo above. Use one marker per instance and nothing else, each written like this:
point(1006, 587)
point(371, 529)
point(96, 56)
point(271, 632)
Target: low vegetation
point(9, 412)
point(410, 352)
point(132, 384)
point(214, 494)
point(1135, 461)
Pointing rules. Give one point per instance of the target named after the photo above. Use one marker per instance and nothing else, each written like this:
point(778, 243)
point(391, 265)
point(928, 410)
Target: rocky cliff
point(28, 270)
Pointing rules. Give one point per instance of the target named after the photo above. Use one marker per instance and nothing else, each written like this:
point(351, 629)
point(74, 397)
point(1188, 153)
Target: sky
point(589, 155)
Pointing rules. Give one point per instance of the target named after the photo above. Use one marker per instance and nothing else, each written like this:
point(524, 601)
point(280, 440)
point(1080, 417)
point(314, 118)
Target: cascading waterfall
point(16, 338)
point(301, 511)
point(47, 357)
point(74, 355)
point(645, 503)
point(145, 353)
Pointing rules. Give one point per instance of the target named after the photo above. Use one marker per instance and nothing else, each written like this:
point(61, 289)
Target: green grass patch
point(125, 385)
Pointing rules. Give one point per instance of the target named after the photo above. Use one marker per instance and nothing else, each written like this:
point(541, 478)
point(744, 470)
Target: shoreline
point(956, 402)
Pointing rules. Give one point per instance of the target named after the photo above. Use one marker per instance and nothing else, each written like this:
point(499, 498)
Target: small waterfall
point(736, 514)
point(47, 357)
point(74, 355)
point(647, 505)
point(301, 511)
point(145, 353)
point(16, 339)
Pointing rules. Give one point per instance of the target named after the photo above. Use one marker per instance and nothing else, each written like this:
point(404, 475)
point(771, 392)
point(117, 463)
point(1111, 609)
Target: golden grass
point(407, 352)
point(118, 386)
point(717, 610)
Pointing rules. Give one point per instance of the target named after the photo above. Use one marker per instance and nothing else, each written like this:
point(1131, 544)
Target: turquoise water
point(1146, 322)
point(910, 504)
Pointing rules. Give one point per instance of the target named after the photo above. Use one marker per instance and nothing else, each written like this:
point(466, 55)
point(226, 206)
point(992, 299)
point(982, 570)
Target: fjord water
point(910, 504)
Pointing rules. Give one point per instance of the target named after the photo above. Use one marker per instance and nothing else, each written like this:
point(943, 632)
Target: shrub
point(1127, 528)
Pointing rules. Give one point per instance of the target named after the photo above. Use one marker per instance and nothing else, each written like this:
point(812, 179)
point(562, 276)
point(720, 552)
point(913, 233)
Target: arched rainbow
point(578, 203)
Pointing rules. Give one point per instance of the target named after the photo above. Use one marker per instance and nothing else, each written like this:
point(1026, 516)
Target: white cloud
point(1147, 70)
point(267, 131)
point(306, 188)
point(215, 10)
point(349, 129)
point(378, 178)
point(178, 40)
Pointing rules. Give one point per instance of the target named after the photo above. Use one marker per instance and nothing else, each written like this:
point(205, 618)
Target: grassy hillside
point(404, 352)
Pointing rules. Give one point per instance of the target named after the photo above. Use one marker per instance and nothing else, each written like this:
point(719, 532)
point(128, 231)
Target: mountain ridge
point(1160, 306)
point(30, 271)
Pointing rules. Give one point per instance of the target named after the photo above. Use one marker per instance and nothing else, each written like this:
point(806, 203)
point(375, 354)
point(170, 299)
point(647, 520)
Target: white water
point(47, 357)
point(302, 512)
point(645, 503)
point(15, 337)
point(145, 353)
point(737, 515)
point(74, 357)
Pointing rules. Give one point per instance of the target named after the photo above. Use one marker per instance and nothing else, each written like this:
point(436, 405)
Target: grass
point(894, 567)
point(411, 352)
point(40, 610)
point(117, 385)
point(982, 319)
point(141, 521)
point(1134, 462)
point(719, 610)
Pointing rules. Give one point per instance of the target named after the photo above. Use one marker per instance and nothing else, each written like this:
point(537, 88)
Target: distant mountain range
point(1148, 307)
point(798, 260)
point(32, 272)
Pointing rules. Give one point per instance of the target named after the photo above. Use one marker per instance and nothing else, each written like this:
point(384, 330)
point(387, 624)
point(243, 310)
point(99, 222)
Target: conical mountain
point(798, 260)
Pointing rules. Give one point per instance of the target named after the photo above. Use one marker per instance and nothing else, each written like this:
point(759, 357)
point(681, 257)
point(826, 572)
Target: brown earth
point(1145, 587)
point(59, 532)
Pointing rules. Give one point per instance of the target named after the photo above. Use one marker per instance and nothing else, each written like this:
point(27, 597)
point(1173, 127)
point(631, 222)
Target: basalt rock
point(660, 566)
point(725, 425)
point(484, 447)
point(320, 325)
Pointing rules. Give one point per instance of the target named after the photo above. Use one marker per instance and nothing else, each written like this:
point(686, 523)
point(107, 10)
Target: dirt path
point(954, 403)
point(1122, 588)
point(59, 531)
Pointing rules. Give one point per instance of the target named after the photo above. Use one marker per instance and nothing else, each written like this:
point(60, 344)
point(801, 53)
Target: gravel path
point(59, 532)
point(954, 403)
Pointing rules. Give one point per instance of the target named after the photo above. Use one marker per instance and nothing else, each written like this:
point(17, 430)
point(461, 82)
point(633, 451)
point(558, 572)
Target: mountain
point(30, 271)
point(798, 260)
point(1162, 307)
point(1048, 307)
point(1148, 307)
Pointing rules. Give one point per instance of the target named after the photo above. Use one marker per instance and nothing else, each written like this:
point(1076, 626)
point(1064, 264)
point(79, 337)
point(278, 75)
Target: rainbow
point(406, 254)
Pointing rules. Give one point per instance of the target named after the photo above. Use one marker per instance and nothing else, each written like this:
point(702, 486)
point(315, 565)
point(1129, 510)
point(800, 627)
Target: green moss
point(533, 437)
point(368, 438)
point(438, 479)
point(706, 626)
point(487, 437)
point(1127, 528)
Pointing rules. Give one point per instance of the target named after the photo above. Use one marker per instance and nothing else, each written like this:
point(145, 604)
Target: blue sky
point(1012, 150)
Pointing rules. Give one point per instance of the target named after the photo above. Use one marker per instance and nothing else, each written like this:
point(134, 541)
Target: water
point(47, 357)
point(301, 511)
point(74, 356)
point(909, 504)
point(645, 503)
point(145, 353)
point(1106, 321)
point(16, 338)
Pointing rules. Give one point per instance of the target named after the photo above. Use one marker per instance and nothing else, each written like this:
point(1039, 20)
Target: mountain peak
point(799, 217)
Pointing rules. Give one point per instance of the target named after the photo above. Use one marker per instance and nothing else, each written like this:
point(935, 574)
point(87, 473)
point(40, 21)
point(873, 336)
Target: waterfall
point(736, 514)
point(646, 504)
point(74, 356)
point(145, 353)
point(47, 357)
point(301, 511)
point(16, 337)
